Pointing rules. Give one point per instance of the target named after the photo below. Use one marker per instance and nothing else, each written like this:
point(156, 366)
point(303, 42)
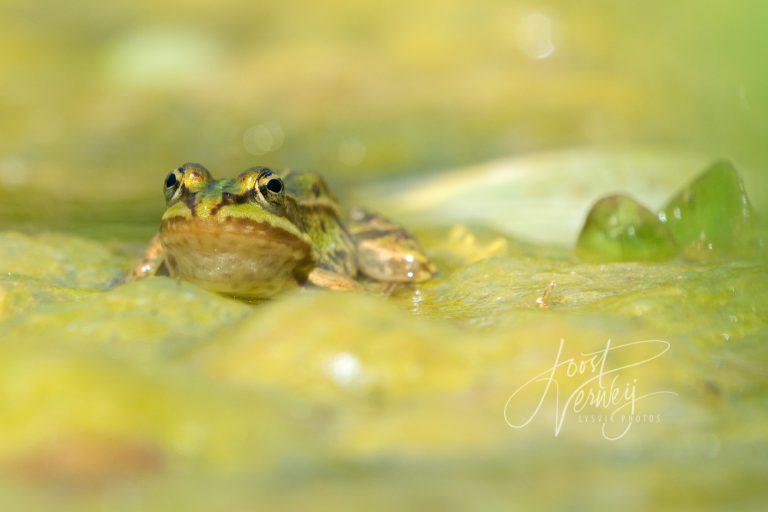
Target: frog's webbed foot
point(329, 280)
point(151, 263)
point(387, 252)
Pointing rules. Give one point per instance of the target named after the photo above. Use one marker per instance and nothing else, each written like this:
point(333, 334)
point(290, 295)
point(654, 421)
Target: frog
point(265, 231)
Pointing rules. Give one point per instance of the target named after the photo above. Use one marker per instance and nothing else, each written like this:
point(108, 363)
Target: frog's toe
point(322, 278)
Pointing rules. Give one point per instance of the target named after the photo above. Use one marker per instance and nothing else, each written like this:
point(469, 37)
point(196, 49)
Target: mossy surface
point(172, 395)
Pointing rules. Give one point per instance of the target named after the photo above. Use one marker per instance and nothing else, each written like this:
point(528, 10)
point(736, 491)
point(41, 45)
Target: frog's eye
point(173, 184)
point(271, 186)
point(275, 185)
point(171, 181)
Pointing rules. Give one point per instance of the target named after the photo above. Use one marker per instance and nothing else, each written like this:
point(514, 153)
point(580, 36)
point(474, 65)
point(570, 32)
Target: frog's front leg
point(151, 263)
point(387, 252)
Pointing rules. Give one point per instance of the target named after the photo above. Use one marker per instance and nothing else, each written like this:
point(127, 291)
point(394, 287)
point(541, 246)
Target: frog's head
point(232, 235)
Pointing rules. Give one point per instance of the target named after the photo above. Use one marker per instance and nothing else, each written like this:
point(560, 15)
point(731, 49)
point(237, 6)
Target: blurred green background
point(99, 99)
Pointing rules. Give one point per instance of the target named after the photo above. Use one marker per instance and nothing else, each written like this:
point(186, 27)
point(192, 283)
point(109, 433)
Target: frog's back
point(317, 213)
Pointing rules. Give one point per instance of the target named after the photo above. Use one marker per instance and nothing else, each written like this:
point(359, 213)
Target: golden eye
point(196, 177)
point(173, 183)
point(270, 186)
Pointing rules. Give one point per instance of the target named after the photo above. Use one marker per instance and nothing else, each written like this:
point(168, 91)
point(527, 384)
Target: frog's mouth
point(236, 256)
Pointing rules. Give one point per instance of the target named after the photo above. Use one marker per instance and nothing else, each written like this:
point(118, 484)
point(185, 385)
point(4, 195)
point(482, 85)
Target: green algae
point(170, 398)
point(347, 346)
point(58, 259)
point(18, 294)
point(712, 214)
point(55, 396)
point(618, 228)
point(710, 217)
point(137, 318)
point(180, 397)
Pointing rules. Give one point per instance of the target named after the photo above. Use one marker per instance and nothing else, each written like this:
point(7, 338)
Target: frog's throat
point(203, 230)
point(233, 241)
point(236, 256)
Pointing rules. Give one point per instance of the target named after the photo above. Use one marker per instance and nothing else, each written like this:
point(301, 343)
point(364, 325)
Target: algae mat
point(157, 395)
